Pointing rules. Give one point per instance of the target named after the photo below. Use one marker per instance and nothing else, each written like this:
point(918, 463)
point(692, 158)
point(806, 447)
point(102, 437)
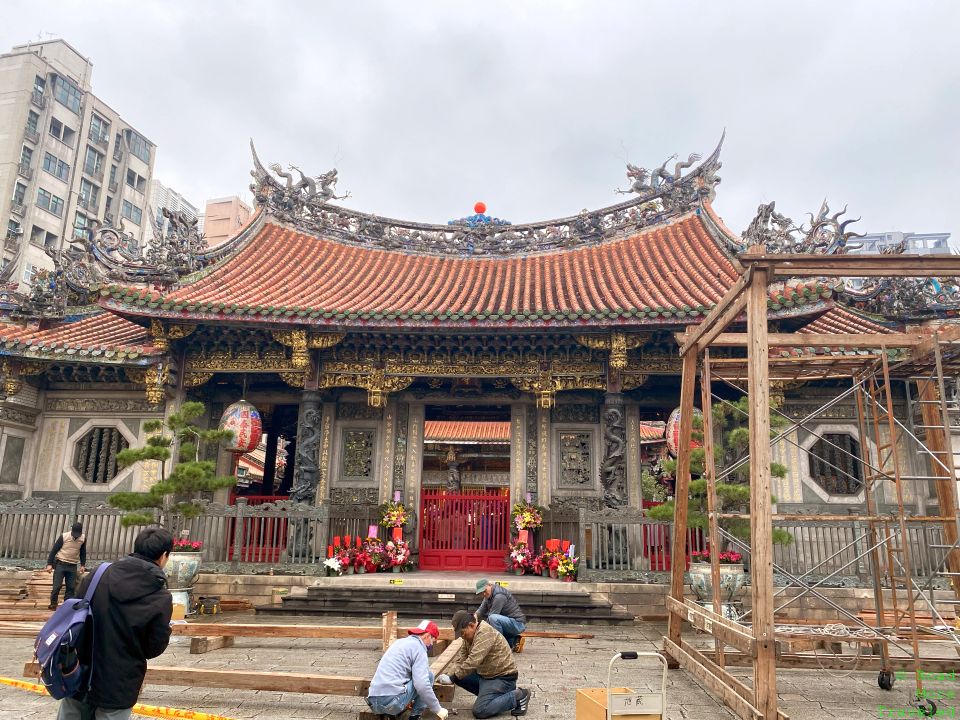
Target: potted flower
point(374, 548)
point(394, 515)
point(553, 564)
point(732, 576)
point(526, 516)
point(183, 567)
point(397, 553)
point(333, 566)
point(361, 559)
point(519, 559)
point(539, 566)
point(567, 568)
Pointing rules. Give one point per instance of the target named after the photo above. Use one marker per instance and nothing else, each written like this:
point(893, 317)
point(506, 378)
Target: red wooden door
point(463, 532)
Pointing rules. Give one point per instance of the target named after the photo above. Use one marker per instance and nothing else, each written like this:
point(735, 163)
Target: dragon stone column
point(613, 470)
point(306, 471)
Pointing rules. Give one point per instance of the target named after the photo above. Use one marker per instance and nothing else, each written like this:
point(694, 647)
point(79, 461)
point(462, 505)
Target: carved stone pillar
point(518, 472)
point(543, 456)
point(634, 492)
point(415, 419)
point(306, 470)
point(613, 470)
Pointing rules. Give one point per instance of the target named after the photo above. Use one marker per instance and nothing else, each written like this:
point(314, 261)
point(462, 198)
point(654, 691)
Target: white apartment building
point(66, 157)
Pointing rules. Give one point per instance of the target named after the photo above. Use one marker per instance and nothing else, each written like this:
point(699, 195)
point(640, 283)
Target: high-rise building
point(913, 243)
point(66, 157)
point(223, 218)
point(163, 197)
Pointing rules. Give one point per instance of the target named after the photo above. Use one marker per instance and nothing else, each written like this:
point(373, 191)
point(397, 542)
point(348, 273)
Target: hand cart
point(612, 703)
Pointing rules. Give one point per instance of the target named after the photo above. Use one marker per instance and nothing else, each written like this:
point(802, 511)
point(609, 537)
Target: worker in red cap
point(403, 678)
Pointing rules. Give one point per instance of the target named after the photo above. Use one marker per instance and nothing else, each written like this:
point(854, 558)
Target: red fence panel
point(463, 532)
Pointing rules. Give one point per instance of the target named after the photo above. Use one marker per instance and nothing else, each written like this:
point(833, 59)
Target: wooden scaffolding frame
point(756, 644)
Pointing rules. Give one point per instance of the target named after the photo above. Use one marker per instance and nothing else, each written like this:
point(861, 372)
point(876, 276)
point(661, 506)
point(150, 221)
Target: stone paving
point(552, 669)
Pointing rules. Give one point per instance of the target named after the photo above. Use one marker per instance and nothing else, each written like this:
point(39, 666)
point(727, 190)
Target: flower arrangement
point(393, 514)
point(333, 565)
point(526, 516)
point(377, 552)
point(396, 554)
point(567, 566)
point(730, 557)
point(186, 545)
point(538, 565)
point(520, 557)
point(362, 561)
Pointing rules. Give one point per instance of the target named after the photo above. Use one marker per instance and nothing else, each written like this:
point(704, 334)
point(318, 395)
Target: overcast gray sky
point(534, 107)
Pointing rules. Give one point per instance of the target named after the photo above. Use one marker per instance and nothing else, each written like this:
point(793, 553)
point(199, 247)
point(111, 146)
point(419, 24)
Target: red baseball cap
point(427, 626)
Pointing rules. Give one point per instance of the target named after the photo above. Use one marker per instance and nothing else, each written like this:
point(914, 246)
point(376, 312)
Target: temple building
point(413, 360)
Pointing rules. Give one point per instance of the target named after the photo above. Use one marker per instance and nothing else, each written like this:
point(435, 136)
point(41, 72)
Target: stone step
point(421, 605)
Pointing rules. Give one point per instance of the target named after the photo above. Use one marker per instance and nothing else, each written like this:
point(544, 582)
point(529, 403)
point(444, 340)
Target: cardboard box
point(591, 704)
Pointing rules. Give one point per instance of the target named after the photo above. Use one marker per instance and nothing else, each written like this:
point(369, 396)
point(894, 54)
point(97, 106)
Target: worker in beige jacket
point(484, 666)
point(67, 560)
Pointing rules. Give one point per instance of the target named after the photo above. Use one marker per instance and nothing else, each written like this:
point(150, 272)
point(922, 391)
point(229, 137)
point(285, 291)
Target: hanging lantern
point(673, 431)
point(244, 420)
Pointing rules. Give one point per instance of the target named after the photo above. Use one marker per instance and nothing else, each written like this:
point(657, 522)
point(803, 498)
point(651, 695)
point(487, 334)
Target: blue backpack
point(58, 645)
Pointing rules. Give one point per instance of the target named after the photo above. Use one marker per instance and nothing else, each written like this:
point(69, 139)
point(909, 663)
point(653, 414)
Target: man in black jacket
point(131, 611)
point(502, 611)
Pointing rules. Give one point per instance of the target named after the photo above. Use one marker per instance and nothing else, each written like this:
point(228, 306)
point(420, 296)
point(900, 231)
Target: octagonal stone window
point(835, 464)
point(95, 454)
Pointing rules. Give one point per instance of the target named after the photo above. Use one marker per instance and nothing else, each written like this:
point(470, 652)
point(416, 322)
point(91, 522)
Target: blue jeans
point(507, 626)
point(494, 695)
point(396, 704)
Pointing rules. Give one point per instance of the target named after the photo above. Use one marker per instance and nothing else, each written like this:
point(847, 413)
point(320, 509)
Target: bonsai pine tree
point(732, 444)
point(178, 493)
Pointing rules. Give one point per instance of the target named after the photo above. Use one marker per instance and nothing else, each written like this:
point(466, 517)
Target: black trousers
point(63, 572)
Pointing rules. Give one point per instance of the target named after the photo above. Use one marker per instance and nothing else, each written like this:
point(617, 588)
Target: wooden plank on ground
point(204, 644)
point(710, 622)
point(338, 632)
point(718, 683)
point(438, 666)
point(247, 680)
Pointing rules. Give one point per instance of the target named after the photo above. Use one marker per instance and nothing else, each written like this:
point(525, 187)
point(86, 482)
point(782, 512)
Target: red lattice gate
point(463, 532)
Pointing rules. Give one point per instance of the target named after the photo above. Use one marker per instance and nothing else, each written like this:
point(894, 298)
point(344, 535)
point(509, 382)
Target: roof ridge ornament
point(303, 205)
point(778, 234)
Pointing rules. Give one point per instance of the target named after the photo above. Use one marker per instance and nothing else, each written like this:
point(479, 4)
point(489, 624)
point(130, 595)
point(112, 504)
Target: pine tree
point(178, 493)
point(732, 444)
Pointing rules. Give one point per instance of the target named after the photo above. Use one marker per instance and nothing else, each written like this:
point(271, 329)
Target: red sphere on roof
point(480, 208)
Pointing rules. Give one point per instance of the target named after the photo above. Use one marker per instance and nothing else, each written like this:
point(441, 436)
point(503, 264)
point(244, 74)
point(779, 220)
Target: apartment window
point(99, 128)
point(28, 272)
point(136, 181)
point(56, 167)
point(89, 194)
point(80, 227)
point(26, 155)
point(109, 204)
point(33, 121)
point(37, 235)
point(39, 84)
point(93, 162)
point(132, 212)
point(13, 228)
point(835, 464)
point(67, 94)
point(19, 193)
point(62, 132)
point(49, 202)
point(140, 146)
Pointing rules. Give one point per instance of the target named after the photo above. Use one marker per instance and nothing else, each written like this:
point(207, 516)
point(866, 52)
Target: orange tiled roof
point(99, 337)
point(463, 431)
point(665, 275)
point(839, 319)
point(652, 431)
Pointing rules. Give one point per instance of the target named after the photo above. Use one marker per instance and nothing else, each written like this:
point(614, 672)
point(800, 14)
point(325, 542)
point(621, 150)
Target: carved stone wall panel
point(386, 467)
point(414, 462)
point(358, 411)
point(357, 452)
point(544, 453)
point(576, 461)
point(354, 496)
point(575, 413)
point(518, 470)
point(326, 436)
point(99, 405)
point(53, 439)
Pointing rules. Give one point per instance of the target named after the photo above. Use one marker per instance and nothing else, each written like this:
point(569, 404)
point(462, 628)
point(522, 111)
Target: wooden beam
point(204, 644)
point(761, 525)
point(947, 334)
point(389, 628)
point(716, 679)
point(796, 265)
point(710, 474)
point(726, 630)
point(803, 339)
point(440, 664)
point(679, 547)
point(865, 663)
point(339, 632)
point(722, 314)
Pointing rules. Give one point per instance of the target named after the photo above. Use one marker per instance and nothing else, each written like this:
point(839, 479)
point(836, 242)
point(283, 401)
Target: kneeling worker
point(502, 611)
point(484, 666)
point(403, 676)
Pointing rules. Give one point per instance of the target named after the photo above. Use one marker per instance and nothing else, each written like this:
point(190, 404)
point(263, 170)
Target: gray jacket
point(501, 602)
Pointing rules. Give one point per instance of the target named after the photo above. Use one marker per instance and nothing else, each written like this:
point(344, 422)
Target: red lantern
point(673, 431)
point(244, 420)
point(480, 208)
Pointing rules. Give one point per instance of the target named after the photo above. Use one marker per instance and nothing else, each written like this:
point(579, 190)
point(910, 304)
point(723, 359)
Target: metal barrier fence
point(610, 542)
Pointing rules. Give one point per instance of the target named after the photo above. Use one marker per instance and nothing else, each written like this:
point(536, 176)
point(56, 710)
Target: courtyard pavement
point(552, 669)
